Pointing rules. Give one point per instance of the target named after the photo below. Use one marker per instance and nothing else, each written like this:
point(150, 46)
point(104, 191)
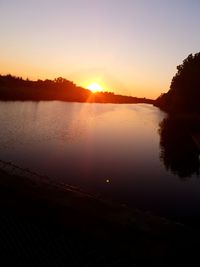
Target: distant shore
point(15, 88)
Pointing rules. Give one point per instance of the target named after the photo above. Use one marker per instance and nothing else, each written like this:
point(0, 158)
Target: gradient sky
point(129, 46)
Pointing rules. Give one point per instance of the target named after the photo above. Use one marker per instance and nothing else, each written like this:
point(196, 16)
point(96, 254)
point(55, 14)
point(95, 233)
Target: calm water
point(87, 144)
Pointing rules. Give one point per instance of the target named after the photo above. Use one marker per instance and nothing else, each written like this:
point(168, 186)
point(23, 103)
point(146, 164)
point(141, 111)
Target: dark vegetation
point(15, 88)
point(178, 132)
point(184, 93)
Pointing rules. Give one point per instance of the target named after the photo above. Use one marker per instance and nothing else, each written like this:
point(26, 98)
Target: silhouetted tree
point(184, 93)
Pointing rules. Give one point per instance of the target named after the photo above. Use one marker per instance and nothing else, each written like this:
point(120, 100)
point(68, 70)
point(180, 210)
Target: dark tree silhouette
point(184, 93)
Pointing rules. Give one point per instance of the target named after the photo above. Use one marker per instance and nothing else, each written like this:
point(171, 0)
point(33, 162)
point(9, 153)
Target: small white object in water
point(107, 181)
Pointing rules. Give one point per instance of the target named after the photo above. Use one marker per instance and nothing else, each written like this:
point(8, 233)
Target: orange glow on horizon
point(146, 88)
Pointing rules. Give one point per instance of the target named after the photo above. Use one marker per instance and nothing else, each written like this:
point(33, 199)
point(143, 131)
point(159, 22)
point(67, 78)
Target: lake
point(115, 151)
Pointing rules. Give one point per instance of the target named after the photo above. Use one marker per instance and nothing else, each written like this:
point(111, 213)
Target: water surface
point(87, 145)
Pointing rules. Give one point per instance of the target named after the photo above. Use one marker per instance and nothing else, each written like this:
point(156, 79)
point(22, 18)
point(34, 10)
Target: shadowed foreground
point(45, 225)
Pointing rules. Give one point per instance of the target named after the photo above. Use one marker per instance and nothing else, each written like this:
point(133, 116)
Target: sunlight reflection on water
point(109, 149)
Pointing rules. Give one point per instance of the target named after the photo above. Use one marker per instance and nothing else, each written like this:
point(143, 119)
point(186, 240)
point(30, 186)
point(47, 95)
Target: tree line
point(16, 88)
point(184, 92)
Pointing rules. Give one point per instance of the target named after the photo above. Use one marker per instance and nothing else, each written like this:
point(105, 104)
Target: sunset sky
point(131, 47)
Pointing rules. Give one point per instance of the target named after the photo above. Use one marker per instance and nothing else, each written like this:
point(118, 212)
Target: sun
point(95, 87)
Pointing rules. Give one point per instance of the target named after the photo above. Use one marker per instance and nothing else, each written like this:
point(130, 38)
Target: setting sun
point(94, 87)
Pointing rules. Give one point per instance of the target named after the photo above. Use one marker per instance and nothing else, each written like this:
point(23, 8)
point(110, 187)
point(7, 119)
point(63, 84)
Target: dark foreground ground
point(45, 225)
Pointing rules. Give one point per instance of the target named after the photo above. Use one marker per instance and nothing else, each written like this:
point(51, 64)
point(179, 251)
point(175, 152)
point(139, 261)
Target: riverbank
point(44, 225)
point(16, 89)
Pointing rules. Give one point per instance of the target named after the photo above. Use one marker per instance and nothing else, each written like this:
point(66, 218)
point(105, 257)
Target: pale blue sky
point(129, 46)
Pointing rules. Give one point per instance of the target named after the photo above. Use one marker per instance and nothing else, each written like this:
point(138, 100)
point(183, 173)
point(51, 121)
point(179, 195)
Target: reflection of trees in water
point(178, 151)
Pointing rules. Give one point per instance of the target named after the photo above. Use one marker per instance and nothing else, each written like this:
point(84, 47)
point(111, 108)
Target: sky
point(130, 47)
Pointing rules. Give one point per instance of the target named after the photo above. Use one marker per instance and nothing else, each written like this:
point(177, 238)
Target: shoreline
point(15, 88)
point(148, 102)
